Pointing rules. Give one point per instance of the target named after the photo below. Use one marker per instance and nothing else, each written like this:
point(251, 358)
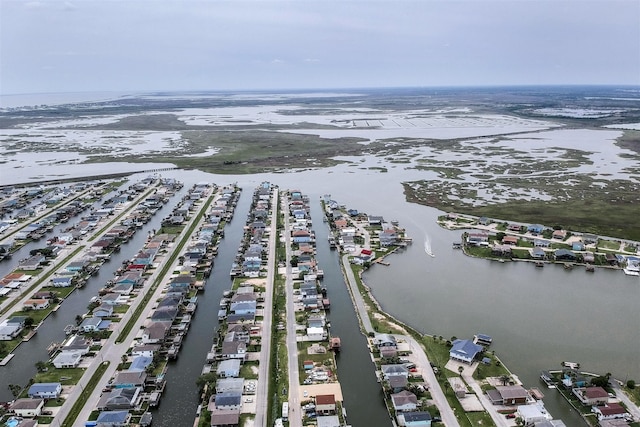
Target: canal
point(22, 367)
point(181, 399)
point(363, 396)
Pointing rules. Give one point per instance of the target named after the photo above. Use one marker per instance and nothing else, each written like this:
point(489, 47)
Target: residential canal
point(181, 399)
point(363, 397)
point(22, 367)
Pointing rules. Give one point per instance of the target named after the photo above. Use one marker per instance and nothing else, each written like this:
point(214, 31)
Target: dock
point(7, 359)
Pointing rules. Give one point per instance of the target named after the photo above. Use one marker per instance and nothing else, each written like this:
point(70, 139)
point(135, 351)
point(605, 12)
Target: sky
point(154, 45)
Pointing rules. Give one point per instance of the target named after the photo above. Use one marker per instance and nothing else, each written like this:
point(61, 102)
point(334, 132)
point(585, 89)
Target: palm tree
point(460, 369)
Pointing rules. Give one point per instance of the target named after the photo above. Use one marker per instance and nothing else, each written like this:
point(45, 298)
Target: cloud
point(278, 61)
point(311, 60)
point(34, 5)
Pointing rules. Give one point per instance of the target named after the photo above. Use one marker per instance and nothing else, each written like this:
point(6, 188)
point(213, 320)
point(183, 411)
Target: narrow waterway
point(181, 399)
point(363, 397)
point(22, 367)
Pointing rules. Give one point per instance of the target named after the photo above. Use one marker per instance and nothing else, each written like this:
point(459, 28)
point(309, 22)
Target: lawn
point(67, 376)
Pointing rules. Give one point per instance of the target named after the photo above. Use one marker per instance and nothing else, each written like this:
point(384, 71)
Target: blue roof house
point(464, 351)
point(45, 390)
point(113, 418)
point(140, 363)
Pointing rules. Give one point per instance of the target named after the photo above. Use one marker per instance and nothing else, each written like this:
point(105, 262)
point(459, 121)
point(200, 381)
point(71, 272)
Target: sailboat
point(427, 245)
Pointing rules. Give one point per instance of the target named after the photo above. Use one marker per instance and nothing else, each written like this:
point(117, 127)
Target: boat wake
point(427, 246)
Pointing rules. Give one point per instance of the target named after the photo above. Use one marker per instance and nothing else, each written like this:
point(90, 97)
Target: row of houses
point(138, 386)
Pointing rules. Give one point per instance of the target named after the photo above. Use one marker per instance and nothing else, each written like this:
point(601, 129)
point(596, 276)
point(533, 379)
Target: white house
point(316, 334)
point(67, 360)
point(404, 401)
point(27, 407)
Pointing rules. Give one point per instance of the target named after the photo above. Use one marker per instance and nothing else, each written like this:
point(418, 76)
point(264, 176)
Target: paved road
point(439, 399)
point(356, 296)
point(632, 408)
point(265, 349)
point(498, 419)
point(292, 343)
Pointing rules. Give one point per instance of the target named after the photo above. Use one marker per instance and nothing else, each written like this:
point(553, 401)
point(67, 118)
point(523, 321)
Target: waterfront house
point(10, 330)
point(45, 390)
point(122, 289)
point(147, 350)
point(588, 257)
point(404, 401)
point(113, 299)
point(393, 370)
point(591, 396)
point(27, 407)
point(62, 282)
point(478, 239)
point(77, 344)
point(155, 333)
point(398, 383)
point(67, 360)
point(35, 304)
point(227, 400)
point(414, 419)
point(234, 350)
point(140, 363)
point(230, 384)
point(465, 351)
point(564, 254)
point(165, 314)
point(76, 266)
point(610, 411)
point(92, 324)
point(128, 379)
point(316, 334)
point(224, 417)
point(32, 263)
point(534, 413)
point(119, 398)
point(510, 240)
point(577, 246)
point(229, 368)
point(113, 418)
point(325, 421)
point(388, 237)
point(509, 395)
point(103, 310)
point(326, 404)
point(375, 220)
point(537, 253)
point(385, 340)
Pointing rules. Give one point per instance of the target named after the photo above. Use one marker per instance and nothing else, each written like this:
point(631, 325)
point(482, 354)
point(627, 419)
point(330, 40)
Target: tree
point(15, 390)
point(504, 379)
point(460, 369)
point(631, 384)
point(206, 379)
point(28, 322)
point(78, 319)
point(601, 381)
point(41, 366)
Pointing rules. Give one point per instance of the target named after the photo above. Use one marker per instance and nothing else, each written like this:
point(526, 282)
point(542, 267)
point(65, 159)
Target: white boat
point(427, 246)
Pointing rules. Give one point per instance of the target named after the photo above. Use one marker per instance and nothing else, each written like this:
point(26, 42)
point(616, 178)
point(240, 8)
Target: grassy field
point(252, 151)
point(600, 215)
